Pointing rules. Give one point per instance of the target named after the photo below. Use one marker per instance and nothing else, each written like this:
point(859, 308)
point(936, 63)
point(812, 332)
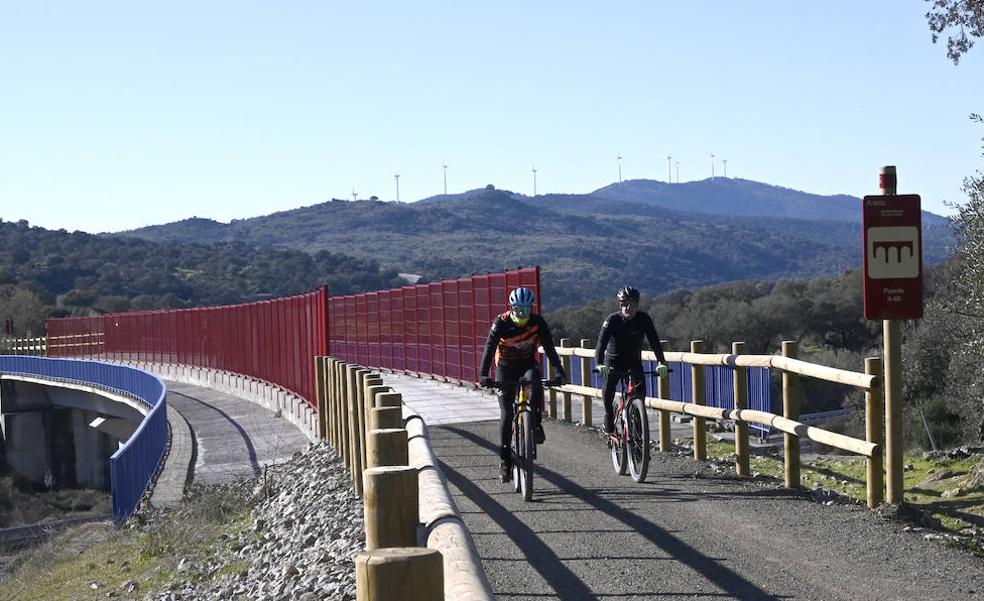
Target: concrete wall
point(270, 396)
point(47, 437)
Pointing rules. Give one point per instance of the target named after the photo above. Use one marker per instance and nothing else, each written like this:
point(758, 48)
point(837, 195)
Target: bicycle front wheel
point(618, 446)
point(638, 440)
point(526, 454)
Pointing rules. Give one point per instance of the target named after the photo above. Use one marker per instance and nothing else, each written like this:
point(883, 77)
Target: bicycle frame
point(523, 448)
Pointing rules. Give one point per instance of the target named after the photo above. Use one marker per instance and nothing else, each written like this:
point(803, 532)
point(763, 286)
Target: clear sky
point(115, 115)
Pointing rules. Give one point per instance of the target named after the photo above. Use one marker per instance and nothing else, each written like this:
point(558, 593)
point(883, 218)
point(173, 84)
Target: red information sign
point(892, 227)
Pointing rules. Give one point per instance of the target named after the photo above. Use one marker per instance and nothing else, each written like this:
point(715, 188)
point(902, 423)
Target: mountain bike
point(629, 442)
point(522, 442)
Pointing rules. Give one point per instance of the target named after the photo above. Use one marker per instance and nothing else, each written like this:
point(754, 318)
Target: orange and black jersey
point(515, 346)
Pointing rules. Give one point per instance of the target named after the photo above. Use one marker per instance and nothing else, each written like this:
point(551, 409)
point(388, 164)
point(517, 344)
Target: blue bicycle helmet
point(521, 305)
point(521, 297)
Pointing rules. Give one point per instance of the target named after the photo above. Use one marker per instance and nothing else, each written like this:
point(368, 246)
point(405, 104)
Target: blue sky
point(115, 115)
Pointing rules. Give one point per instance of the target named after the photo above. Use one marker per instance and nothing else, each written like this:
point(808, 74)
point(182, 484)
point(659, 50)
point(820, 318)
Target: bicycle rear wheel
point(638, 440)
point(618, 446)
point(527, 447)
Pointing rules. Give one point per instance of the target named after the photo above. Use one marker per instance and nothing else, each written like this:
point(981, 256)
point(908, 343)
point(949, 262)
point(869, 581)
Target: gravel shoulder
point(686, 533)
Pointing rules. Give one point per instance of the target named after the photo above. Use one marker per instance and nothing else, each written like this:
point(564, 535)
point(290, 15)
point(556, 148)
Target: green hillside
point(586, 244)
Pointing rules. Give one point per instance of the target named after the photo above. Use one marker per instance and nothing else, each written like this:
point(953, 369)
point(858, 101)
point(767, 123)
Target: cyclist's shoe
point(609, 436)
point(539, 436)
point(505, 472)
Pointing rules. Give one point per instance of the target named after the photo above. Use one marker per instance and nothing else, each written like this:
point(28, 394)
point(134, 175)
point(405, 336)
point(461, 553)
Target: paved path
point(685, 534)
point(227, 438)
point(440, 402)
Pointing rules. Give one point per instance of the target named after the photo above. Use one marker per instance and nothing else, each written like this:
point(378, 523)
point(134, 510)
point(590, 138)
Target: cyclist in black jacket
point(620, 349)
point(513, 340)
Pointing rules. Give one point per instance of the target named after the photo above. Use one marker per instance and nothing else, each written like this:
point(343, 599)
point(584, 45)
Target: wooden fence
point(417, 546)
point(792, 370)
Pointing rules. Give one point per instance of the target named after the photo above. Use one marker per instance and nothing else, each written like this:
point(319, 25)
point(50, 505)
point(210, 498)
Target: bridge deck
point(590, 534)
point(232, 438)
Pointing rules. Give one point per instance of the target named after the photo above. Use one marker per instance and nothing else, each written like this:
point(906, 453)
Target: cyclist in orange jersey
point(513, 340)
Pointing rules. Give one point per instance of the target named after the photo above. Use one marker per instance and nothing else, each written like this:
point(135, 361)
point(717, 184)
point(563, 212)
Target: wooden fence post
point(399, 574)
point(665, 431)
point(697, 398)
point(389, 399)
point(338, 405)
point(873, 399)
point(892, 386)
point(321, 393)
point(382, 418)
point(370, 399)
point(368, 379)
point(551, 394)
point(565, 360)
point(391, 506)
point(586, 381)
point(387, 447)
point(342, 408)
point(330, 404)
point(741, 402)
point(355, 373)
point(791, 403)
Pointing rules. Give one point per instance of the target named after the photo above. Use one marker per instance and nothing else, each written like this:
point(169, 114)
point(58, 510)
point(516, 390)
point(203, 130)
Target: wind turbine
point(619, 158)
point(678, 172)
point(534, 180)
point(444, 166)
point(725, 161)
point(669, 174)
point(712, 165)
point(354, 195)
point(397, 178)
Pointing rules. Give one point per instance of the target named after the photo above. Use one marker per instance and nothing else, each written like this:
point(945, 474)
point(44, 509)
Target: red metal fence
point(273, 340)
point(438, 328)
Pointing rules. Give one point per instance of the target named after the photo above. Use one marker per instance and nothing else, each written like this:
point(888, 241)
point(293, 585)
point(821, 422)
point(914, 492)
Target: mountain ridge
point(585, 244)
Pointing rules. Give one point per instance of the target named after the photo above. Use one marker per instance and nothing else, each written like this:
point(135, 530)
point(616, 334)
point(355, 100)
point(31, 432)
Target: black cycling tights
point(638, 391)
point(509, 378)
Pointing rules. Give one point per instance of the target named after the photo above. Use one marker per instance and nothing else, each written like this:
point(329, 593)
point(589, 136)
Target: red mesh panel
point(275, 340)
point(437, 328)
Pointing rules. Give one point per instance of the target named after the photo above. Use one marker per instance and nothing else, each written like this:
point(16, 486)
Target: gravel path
point(687, 533)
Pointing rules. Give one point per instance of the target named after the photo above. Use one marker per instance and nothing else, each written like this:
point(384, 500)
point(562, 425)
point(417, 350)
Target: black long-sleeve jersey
point(514, 346)
point(620, 341)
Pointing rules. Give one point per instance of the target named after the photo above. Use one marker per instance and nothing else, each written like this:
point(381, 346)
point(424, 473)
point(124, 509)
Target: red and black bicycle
point(630, 440)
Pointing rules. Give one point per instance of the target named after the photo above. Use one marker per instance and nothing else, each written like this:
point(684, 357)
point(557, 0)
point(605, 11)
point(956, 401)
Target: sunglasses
point(627, 304)
point(521, 311)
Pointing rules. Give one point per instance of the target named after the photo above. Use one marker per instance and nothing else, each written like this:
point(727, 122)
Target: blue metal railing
point(718, 386)
point(134, 464)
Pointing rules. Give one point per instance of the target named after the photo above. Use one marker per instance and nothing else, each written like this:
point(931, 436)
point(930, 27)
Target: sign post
point(892, 234)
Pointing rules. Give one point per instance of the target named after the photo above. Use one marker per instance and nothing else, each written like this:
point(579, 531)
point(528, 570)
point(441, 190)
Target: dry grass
point(91, 561)
point(19, 506)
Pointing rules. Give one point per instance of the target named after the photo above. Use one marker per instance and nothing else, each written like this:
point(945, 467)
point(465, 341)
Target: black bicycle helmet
point(628, 293)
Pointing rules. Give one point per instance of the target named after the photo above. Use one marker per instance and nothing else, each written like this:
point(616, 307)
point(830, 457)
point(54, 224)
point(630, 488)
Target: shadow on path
point(250, 449)
point(563, 580)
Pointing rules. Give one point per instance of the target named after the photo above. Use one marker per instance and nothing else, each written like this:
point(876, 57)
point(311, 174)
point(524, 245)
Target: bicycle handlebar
point(626, 372)
point(546, 383)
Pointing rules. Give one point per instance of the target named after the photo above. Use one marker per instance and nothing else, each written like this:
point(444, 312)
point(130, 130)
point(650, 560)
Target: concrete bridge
point(694, 530)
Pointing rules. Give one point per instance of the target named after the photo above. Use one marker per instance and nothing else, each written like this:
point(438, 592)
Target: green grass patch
point(87, 562)
point(925, 480)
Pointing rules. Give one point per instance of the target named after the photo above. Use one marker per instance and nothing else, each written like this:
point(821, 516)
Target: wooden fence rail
point(872, 448)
